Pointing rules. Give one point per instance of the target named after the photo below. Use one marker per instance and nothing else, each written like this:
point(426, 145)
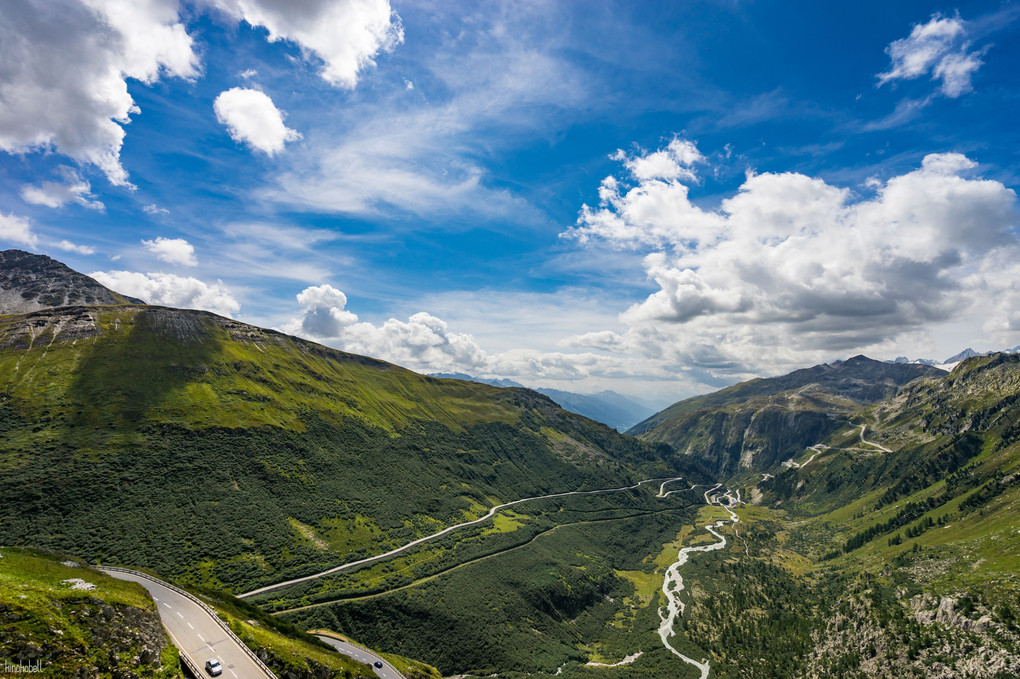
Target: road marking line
point(233, 672)
point(191, 626)
point(179, 615)
point(200, 637)
point(168, 605)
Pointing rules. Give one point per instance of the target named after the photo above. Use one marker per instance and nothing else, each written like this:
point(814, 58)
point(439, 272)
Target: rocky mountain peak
point(30, 282)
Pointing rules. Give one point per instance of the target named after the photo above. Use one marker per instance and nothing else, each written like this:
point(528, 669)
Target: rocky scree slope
point(30, 282)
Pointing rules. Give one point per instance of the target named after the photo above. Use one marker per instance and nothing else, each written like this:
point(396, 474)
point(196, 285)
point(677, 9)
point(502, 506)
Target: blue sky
point(658, 198)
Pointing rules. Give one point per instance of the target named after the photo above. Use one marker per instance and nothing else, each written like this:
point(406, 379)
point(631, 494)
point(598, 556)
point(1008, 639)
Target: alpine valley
point(865, 516)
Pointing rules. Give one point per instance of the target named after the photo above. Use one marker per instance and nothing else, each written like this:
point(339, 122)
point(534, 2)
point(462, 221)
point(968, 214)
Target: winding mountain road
point(197, 632)
point(872, 443)
point(672, 586)
point(387, 671)
point(393, 552)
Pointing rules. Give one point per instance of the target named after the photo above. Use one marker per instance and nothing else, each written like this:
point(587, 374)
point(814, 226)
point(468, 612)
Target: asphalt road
point(492, 512)
point(195, 632)
point(387, 671)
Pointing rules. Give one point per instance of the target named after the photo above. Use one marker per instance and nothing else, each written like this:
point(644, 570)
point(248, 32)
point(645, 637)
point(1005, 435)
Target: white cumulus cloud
point(165, 289)
point(791, 268)
point(422, 342)
point(172, 250)
point(252, 118)
point(65, 66)
point(324, 316)
point(939, 47)
point(672, 162)
point(427, 343)
point(14, 229)
point(66, 63)
point(345, 35)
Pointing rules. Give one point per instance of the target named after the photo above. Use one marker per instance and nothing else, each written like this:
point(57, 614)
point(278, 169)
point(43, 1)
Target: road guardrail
point(226, 628)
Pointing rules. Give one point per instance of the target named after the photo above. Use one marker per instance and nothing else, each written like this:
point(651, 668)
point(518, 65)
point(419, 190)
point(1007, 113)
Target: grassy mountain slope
point(110, 628)
point(572, 582)
point(232, 456)
point(69, 620)
point(908, 536)
point(754, 424)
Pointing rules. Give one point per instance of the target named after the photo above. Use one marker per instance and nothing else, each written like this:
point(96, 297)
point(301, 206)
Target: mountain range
point(755, 424)
point(953, 360)
point(878, 503)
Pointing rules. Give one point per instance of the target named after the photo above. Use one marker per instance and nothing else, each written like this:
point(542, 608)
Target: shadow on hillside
point(135, 366)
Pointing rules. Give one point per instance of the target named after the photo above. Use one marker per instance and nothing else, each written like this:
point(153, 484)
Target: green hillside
point(67, 619)
point(60, 618)
point(755, 424)
point(904, 524)
point(231, 456)
point(878, 532)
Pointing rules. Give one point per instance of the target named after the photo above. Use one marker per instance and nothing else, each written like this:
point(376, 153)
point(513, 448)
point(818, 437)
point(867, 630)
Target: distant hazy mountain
point(618, 411)
point(900, 360)
point(30, 282)
point(480, 380)
point(609, 407)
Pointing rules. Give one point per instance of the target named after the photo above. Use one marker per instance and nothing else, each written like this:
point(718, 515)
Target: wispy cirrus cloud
point(68, 246)
point(73, 189)
point(425, 149)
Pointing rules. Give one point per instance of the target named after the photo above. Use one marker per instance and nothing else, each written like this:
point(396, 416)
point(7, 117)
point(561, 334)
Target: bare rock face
point(926, 635)
point(926, 612)
point(110, 640)
point(31, 282)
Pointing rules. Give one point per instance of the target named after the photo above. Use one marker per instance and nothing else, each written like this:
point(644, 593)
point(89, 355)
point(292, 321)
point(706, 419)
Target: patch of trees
point(911, 511)
point(948, 458)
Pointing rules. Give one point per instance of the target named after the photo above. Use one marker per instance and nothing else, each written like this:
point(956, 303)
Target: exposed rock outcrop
point(30, 282)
